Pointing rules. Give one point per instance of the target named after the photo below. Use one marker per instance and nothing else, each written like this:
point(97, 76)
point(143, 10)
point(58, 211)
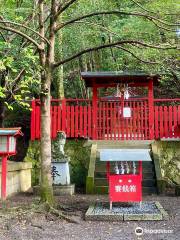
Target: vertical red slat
point(114, 120)
point(170, 122)
point(110, 120)
point(134, 121)
point(161, 121)
point(142, 120)
point(38, 130)
point(130, 120)
point(175, 121)
point(33, 119)
point(89, 122)
point(165, 122)
point(68, 117)
point(146, 120)
point(156, 127)
point(138, 122)
point(104, 120)
point(118, 120)
point(126, 124)
point(122, 122)
point(72, 121)
point(54, 122)
point(85, 121)
point(76, 121)
point(99, 126)
point(107, 120)
point(81, 121)
point(178, 128)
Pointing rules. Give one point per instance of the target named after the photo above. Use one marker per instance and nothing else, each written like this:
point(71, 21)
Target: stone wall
point(168, 155)
point(18, 177)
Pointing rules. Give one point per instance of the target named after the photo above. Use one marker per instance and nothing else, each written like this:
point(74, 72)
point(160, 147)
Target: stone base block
point(148, 211)
point(58, 190)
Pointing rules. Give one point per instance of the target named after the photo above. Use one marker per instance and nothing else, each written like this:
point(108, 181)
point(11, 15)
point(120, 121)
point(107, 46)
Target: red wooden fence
point(167, 118)
point(74, 117)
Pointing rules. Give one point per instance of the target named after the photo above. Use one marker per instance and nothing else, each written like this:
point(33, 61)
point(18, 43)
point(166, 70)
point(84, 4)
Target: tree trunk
point(2, 111)
point(46, 190)
point(60, 75)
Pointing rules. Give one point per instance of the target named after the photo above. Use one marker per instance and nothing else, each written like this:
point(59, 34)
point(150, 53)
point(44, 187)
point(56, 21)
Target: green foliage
point(79, 161)
point(33, 156)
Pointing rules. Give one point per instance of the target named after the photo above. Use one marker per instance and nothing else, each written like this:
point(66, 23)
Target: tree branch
point(132, 42)
point(135, 56)
point(149, 11)
point(21, 34)
point(26, 27)
point(143, 8)
point(61, 9)
point(116, 12)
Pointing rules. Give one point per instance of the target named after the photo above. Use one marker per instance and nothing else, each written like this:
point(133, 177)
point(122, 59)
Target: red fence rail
point(167, 118)
point(75, 118)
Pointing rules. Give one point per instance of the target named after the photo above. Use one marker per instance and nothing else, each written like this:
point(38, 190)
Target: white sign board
point(126, 112)
point(60, 173)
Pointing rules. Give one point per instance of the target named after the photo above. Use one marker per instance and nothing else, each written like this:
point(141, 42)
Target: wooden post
point(3, 178)
point(33, 119)
point(151, 109)
point(94, 105)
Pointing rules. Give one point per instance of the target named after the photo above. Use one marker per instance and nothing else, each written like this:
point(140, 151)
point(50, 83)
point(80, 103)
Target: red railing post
point(3, 178)
point(94, 111)
point(151, 109)
point(33, 119)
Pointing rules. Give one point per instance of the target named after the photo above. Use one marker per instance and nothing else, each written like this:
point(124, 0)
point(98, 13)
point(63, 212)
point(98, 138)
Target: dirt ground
point(21, 223)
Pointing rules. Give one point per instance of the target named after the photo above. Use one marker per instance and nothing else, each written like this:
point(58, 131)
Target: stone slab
point(149, 211)
point(58, 190)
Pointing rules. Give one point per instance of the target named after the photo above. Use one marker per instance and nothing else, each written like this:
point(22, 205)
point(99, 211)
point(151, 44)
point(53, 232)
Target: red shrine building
point(120, 119)
point(128, 111)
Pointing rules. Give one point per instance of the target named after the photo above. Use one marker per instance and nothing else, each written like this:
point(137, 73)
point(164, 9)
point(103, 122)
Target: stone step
point(101, 167)
point(146, 190)
point(146, 175)
point(145, 182)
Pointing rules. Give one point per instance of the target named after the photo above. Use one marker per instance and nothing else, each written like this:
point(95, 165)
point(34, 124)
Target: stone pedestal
point(60, 167)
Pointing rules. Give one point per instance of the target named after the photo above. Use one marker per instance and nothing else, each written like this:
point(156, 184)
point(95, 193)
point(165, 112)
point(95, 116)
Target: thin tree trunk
point(60, 75)
point(46, 190)
point(2, 112)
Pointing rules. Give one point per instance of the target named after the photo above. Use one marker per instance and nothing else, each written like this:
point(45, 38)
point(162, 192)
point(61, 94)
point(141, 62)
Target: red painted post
point(94, 105)
point(156, 122)
point(3, 178)
point(33, 119)
point(161, 118)
point(76, 121)
point(89, 121)
point(151, 109)
point(170, 122)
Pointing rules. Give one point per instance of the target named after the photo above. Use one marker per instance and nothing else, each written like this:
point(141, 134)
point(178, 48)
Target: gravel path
point(22, 224)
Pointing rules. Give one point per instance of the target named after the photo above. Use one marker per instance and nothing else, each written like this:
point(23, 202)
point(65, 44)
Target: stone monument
point(60, 167)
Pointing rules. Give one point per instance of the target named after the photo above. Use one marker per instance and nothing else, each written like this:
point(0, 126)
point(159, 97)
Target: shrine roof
point(10, 132)
point(110, 78)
